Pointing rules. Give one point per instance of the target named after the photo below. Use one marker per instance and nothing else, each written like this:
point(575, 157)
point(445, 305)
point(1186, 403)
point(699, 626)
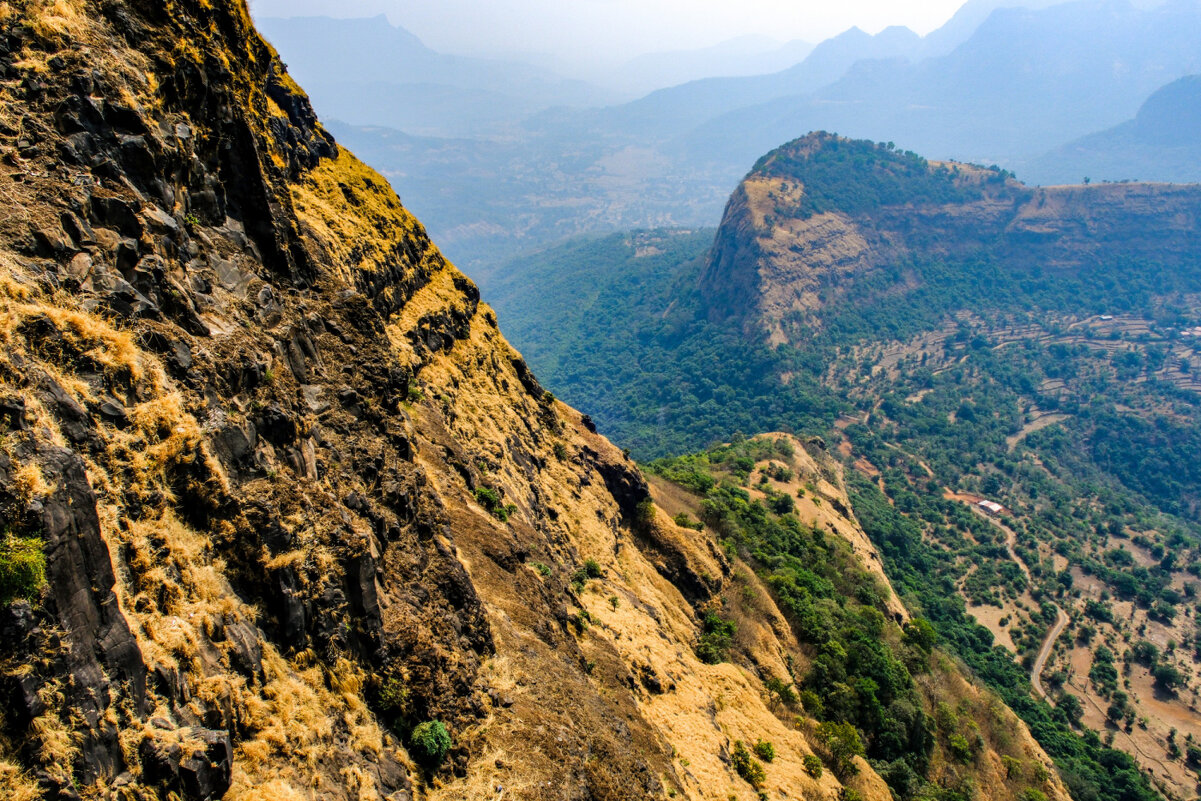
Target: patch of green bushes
point(717, 634)
point(22, 568)
point(747, 766)
point(430, 741)
point(490, 499)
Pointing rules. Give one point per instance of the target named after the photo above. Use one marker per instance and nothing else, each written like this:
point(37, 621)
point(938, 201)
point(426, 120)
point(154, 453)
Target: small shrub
point(960, 748)
point(764, 750)
point(487, 498)
point(717, 633)
point(644, 513)
point(779, 473)
point(920, 634)
point(781, 690)
point(614, 601)
point(781, 504)
point(392, 694)
point(684, 520)
point(812, 703)
point(22, 568)
point(812, 765)
point(747, 766)
point(490, 500)
point(560, 451)
point(842, 742)
point(430, 742)
point(591, 569)
point(542, 569)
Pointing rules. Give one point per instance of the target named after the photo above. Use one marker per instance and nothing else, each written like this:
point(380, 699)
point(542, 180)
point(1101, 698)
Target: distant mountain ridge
point(998, 84)
point(1161, 143)
point(368, 71)
point(744, 55)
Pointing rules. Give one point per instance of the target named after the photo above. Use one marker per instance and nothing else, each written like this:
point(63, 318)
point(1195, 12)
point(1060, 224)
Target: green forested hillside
point(612, 324)
point(1048, 362)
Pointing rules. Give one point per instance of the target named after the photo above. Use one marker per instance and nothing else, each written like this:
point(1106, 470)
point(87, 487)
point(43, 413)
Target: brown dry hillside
point(277, 494)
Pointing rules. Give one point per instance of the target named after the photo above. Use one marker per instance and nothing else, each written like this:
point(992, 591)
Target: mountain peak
point(823, 211)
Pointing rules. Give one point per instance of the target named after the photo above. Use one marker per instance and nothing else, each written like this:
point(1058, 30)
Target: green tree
point(842, 743)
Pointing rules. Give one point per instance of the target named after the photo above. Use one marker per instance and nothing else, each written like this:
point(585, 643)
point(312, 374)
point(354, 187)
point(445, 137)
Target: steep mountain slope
point(286, 517)
point(1159, 144)
point(962, 338)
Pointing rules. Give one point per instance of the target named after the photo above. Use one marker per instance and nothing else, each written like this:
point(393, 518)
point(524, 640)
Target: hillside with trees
point(956, 337)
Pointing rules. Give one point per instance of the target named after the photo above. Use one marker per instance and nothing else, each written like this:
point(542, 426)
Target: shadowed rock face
point(205, 380)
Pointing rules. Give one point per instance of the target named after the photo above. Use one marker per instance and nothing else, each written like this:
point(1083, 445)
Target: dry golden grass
point(29, 482)
point(60, 20)
point(269, 790)
point(360, 784)
point(92, 337)
point(354, 212)
point(56, 746)
point(16, 784)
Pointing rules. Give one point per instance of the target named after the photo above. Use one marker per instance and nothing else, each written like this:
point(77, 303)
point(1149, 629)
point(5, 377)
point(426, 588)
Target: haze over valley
point(500, 157)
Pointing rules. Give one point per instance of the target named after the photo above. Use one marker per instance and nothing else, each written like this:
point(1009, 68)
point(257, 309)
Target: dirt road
point(1061, 619)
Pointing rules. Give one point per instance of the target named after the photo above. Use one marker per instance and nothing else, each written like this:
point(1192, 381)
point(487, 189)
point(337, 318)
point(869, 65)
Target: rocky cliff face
point(292, 492)
point(792, 239)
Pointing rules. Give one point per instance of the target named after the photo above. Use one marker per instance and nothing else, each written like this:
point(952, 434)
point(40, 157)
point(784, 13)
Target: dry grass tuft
point(15, 784)
point(92, 337)
point(360, 783)
point(272, 790)
point(58, 20)
point(29, 482)
point(56, 746)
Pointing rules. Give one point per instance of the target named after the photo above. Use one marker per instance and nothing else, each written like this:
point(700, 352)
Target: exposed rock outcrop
point(786, 248)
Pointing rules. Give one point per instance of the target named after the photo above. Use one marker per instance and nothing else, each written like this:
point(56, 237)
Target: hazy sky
point(611, 30)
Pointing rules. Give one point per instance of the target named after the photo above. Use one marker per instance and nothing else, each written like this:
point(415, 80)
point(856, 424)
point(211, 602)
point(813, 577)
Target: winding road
point(1036, 672)
point(1061, 619)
